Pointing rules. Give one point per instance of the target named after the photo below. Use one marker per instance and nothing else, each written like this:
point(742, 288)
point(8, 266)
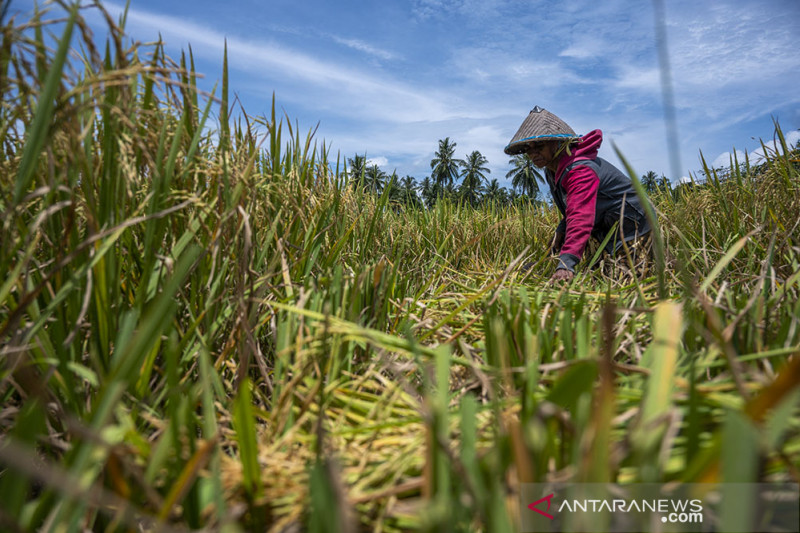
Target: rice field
point(205, 325)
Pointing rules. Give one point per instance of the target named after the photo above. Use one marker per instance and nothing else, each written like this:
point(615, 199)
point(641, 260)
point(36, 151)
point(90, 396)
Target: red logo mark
point(549, 499)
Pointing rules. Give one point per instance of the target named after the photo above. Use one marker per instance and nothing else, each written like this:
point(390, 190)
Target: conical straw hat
point(540, 125)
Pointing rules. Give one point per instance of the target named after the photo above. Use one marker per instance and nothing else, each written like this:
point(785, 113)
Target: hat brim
point(521, 146)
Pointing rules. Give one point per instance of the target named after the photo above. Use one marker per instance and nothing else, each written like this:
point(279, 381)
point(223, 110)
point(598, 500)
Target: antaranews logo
point(549, 500)
point(638, 507)
point(569, 509)
point(671, 510)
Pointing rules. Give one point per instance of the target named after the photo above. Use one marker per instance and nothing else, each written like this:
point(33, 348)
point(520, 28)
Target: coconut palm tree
point(357, 166)
point(374, 179)
point(524, 176)
point(650, 181)
point(391, 184)
point(473, 175)
point(495, 193)
point(444, 166)
point(408, 187)
point(429, 191)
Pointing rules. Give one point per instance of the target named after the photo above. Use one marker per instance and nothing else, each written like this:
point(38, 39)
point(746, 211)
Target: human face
point(542, 154)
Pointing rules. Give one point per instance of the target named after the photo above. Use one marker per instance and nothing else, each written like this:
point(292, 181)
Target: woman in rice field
point(591, 193)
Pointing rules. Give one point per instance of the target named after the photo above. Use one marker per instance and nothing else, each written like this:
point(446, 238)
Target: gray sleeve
point(567, 262)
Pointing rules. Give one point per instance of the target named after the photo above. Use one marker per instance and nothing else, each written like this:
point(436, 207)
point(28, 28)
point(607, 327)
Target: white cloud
point(592, 63)
point(580, 51)
point(756, 154)
point(352, 90)
point(367, 48)
point(773, 147)
point(647, 79)
point(729, 44)
point(642, 144)
point(731, 64)
point(792, 138)
point(500, 70)
point(480, 135)
point(724, 159)
point(586, 46)
point(425, 9)
point(380, 161)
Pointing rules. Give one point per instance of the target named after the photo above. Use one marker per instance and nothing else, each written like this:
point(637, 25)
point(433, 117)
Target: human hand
point(562, 275)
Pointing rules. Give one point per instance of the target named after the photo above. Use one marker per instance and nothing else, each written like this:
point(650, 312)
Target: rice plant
point(203, 325)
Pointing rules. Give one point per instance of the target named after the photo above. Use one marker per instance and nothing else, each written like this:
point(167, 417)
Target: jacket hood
point(586, 148)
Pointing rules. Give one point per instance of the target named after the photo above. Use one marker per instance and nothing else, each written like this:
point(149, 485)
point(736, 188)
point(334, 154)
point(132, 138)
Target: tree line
point(462, 180)
point(456, 180)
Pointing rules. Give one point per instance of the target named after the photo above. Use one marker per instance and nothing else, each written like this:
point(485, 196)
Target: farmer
point(591, 193)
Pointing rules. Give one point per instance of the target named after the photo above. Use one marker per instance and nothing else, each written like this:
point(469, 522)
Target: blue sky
point(390, 78)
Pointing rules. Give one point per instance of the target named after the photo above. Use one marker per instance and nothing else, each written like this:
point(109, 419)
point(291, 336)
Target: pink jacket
point(592, 194)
